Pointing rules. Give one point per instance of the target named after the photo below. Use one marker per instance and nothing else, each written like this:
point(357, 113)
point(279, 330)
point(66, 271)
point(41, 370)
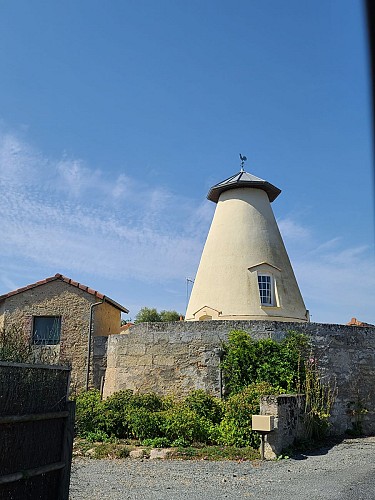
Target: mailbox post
point(262, 424)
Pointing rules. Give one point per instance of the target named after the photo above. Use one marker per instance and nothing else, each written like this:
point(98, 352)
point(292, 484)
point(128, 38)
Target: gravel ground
point(343, 472)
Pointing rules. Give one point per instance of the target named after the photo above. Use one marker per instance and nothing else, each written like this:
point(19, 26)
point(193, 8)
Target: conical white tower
point(245, 272)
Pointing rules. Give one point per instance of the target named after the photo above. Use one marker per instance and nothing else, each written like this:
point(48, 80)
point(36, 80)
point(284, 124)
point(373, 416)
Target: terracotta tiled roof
point(125, 328)
point(356, 322)
point(60, 277)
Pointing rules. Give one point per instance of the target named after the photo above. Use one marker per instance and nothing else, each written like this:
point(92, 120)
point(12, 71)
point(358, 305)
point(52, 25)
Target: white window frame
point(272, 289)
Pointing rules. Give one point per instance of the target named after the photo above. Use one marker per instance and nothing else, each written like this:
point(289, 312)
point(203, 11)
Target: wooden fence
point(36, 432)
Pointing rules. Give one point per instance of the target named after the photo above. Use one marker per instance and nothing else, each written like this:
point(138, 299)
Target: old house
point(65, 322)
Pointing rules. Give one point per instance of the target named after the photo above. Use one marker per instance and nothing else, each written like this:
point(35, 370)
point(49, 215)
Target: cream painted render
point(243, 242)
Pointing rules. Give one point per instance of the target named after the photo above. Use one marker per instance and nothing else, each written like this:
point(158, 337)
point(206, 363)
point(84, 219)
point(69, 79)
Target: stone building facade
point(175, 358)
point(65, 322)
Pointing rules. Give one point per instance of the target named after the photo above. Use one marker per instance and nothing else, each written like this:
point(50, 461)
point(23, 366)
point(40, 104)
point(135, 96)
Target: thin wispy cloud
point(76, 226)
point(337, 281)
point(292, 230)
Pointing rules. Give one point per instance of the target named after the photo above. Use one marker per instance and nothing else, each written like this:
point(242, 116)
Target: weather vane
point(243, 159)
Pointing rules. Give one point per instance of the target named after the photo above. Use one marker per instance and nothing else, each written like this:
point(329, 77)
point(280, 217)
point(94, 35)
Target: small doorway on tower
point(206, 313)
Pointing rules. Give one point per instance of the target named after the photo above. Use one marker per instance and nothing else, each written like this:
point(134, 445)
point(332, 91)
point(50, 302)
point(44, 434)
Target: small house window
point(265, 283)
point(46, 330)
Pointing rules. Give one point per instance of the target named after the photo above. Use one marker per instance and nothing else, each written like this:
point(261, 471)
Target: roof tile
point(69, 281)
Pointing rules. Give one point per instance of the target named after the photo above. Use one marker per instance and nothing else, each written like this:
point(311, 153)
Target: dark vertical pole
point(262, 437)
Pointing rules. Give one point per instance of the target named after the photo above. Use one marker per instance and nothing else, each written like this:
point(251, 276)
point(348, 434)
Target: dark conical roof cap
point(240, 180)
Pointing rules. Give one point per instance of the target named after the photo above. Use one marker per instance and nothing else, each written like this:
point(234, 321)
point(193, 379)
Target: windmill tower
point(245, 272)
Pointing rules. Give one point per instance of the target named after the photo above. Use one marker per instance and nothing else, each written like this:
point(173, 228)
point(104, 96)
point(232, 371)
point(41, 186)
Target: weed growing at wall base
point(319, 401)
point(356, 410)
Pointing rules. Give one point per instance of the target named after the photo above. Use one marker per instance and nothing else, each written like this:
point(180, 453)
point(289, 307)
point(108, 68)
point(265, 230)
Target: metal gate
point(36, 432)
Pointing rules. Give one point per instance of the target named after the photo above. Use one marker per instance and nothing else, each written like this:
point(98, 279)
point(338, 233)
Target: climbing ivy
point(247, 361)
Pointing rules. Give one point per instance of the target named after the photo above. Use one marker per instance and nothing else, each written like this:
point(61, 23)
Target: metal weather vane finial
point(243, 159)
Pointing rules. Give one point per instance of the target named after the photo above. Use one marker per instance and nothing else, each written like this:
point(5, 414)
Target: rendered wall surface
point(174, 358)
point(244, 239)
point(107, 320)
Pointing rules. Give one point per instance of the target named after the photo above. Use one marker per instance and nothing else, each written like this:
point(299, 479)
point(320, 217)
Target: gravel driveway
point(345, 471)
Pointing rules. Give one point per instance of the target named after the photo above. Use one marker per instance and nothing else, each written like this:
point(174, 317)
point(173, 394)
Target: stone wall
point(175, 358)
point(99, 361)
point(287, 411)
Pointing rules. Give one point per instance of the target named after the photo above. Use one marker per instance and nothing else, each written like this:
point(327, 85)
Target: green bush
point(149, 401)
point(98, 436)
point(204, 405)
point(121, 418)
point(184, 423)
point(89, 413)
point(144, 424)
point(159, 442)
point(235, 427)
point(180, 443)
point(115, 421)
point(247, 361)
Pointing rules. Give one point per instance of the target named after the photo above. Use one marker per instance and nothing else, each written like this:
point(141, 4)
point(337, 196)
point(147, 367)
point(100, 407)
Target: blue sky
point(116, 118)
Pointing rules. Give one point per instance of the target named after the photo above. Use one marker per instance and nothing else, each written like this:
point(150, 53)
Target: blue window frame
point(46, 330)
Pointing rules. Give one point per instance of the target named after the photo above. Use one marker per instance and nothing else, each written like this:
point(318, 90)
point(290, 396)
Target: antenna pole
point(188, 280)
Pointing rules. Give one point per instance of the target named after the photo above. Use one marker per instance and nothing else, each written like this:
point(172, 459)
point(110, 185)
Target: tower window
point(265, 283)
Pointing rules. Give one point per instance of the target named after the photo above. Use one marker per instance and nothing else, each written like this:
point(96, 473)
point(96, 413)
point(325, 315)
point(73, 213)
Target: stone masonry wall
point(287, 411)
point(174, 358)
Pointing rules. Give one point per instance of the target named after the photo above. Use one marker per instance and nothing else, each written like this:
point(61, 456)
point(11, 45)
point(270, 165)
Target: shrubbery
point(89, 413)
point(156, 421)
point(247, 361)
point(235, 427)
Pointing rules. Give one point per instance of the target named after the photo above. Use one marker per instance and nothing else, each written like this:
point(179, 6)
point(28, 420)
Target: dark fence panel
point(27, 388)
point(36, 432)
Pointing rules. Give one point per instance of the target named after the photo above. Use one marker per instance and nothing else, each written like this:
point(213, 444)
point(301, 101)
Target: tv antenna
point(188, 280)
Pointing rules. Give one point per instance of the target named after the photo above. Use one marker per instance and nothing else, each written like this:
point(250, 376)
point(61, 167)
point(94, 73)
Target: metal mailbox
point(262, 423)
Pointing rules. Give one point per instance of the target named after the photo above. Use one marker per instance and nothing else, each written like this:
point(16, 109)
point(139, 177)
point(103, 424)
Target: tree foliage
point(169, 316)
point(147, 314)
